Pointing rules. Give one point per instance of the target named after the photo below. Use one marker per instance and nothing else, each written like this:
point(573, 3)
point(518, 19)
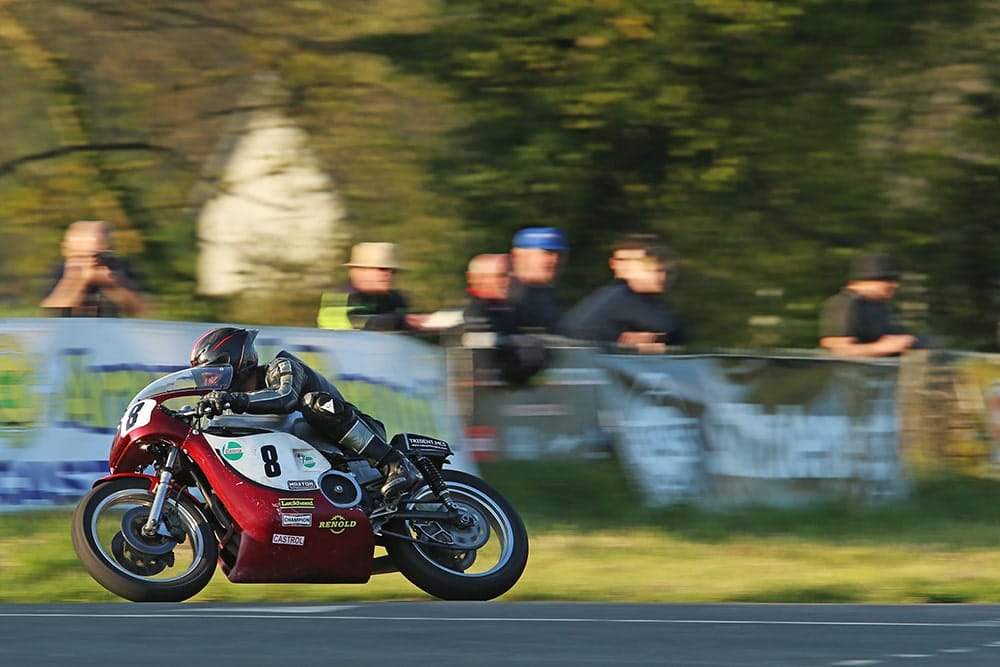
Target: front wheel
point(108, 541)
point(452, 572)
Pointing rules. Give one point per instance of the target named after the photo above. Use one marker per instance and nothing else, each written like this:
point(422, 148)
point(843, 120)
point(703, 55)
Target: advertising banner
point(976, 379)
point(725, 429)
point(557, 415)
point(64, 384)
point(715, 429)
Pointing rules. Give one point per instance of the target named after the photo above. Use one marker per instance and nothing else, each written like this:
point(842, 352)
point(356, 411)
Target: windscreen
point(201, 377)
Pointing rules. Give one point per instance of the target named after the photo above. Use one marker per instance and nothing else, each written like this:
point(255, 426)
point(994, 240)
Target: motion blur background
point(767, 142)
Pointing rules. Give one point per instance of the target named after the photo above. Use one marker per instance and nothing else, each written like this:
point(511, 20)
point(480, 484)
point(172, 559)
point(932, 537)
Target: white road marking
point(909, 656)
point(961, 649)
point(290, 612)
point(328, 609)
point(855, 663)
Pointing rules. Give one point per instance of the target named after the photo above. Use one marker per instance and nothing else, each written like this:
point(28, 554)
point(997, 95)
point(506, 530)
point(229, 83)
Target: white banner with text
point(64, 384)
point(717, 429)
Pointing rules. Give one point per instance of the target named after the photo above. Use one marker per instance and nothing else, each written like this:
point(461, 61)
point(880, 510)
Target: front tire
point(170, 571)
point(463, 574)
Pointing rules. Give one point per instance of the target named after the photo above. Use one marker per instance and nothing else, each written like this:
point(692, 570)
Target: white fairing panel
point(276, 460)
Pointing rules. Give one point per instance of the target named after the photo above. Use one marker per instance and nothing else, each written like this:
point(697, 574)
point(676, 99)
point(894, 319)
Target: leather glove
point(321, 401)
point(217, 402)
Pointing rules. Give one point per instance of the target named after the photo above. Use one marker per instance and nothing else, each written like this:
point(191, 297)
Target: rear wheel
point(457, 567)
point(108, 540)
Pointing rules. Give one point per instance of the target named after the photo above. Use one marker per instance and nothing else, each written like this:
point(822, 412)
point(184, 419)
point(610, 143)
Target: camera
point(106, 259)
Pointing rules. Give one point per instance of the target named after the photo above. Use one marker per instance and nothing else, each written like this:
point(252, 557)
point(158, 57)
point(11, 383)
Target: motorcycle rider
point(286, 384)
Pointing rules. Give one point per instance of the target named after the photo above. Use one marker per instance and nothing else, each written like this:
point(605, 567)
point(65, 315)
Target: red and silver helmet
point(227, 345)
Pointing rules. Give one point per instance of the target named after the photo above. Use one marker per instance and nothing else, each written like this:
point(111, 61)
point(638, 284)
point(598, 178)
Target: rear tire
point(457, 574)
point(127, 571)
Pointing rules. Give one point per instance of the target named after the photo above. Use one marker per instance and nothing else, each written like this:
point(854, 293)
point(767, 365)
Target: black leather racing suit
point(285, 380)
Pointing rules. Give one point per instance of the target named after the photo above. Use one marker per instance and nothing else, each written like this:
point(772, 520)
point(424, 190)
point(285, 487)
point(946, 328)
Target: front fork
point(152, 526)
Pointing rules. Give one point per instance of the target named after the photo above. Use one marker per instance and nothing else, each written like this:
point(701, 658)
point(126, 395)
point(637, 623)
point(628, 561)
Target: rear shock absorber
point(434, 479)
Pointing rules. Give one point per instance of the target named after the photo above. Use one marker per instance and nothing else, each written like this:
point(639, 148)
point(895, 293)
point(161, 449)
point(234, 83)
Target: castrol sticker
point(293, 540)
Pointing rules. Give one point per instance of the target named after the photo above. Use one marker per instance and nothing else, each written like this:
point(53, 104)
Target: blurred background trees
point(766, 141)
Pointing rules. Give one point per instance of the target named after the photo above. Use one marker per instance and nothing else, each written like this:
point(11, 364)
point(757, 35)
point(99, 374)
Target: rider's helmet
point(227, 345)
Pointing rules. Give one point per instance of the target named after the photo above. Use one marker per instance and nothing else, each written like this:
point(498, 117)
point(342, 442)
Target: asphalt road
point(406, 634)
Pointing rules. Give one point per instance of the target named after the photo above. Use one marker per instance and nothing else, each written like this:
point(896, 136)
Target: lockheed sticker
point(300, 503)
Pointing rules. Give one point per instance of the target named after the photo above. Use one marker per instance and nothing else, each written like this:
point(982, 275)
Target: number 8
point(270, 455)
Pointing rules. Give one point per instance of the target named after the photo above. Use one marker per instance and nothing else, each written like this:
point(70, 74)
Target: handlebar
point(188, 414)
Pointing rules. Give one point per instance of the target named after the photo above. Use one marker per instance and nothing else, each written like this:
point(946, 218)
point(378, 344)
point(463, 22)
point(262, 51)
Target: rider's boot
point(359, 437)
point(400, 475)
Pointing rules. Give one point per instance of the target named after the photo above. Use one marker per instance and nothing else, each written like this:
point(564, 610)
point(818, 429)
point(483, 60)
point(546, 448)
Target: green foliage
point(766, 141)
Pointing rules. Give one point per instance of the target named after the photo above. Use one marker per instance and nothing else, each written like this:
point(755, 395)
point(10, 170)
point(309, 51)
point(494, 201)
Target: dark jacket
point(283, 382)
point(95, 303)
point(536, 307)
point(349, 308)
point(848, 314)
point(605, 314)
point(492, 315)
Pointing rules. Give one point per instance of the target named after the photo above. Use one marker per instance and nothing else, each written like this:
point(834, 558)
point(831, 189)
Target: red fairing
point(287, 536)
point(127, 454)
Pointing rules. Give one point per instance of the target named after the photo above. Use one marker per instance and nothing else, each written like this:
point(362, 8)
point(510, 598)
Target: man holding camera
point(92, 282)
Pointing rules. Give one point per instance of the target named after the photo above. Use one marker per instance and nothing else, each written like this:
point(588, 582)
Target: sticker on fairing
point(275, 459)
point(232, 451)
point(297, 519)
point(288, 503)
point(137, 415)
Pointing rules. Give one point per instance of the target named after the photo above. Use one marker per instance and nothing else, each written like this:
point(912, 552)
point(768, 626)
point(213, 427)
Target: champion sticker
point(297, 519)
point(294, 540)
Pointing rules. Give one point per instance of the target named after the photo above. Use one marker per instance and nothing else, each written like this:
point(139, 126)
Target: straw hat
point(375, 256)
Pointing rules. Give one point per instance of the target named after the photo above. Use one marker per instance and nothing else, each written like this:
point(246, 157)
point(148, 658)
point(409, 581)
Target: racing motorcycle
point(268, 500)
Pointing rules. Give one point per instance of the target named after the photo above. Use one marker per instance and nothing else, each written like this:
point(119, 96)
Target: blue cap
point(541, 238)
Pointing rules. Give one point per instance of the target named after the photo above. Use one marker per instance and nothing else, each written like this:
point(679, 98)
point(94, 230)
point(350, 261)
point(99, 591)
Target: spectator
point(370, 302)
point(857, 322)
point(488, 322)
point(628, 247)
point(488, 309)
point(629, 313)
point(535, 258)
point(91, 281)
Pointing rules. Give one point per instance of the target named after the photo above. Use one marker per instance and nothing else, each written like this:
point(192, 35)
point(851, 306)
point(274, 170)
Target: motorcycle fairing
point(276, 460)
point(275, 544)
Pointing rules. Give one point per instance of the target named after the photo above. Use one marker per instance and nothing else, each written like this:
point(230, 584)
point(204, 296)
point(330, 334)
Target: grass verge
point(592, 540)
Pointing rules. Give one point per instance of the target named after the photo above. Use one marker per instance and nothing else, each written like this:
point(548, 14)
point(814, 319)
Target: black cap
point(873, 267)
